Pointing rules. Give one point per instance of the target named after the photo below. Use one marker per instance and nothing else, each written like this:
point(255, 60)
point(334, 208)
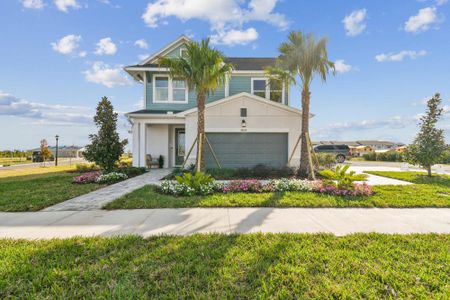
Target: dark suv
point(341, 151)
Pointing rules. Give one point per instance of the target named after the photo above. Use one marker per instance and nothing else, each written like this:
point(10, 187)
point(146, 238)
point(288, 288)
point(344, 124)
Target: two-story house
point(247, 121)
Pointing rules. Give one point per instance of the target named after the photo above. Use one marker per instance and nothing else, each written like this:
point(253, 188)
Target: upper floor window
point(166, 89)
point(161, 88)
point(273, 91)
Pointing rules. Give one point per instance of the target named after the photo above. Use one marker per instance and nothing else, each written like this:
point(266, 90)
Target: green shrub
point(132, 171)
point(86, 167)
point(446, 157)
point(344, 180)
point(326, 160)
point(384, 156)
point(195, 181)
point(259, 171)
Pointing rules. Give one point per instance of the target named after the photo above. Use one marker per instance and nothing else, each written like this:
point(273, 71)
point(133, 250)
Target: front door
point(179, 146)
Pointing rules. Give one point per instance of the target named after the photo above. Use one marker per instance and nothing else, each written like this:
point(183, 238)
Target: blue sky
point(59, 57)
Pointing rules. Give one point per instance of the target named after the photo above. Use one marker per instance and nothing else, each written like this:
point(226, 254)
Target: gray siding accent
point(247, 149)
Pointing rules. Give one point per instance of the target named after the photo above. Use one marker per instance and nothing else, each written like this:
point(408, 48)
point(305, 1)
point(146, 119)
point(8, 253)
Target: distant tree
point(45, 152)
point(106, 147)
point(429, 146)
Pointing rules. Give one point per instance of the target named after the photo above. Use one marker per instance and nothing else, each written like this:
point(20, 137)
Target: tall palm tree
point(204, 70)
point(302, 56)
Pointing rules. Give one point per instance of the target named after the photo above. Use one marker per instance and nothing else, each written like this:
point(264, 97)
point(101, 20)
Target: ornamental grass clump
point(90, 177)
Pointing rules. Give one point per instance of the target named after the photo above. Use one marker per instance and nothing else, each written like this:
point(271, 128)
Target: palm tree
point(204, 70)
point(302, 56)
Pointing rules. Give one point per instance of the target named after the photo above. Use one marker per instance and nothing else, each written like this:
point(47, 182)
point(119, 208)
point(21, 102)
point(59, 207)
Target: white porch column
point(142, 144)
point(135, 131)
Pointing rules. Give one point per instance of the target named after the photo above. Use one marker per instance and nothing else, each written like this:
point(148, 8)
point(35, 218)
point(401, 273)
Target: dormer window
point(272, 91)
point(169, 90)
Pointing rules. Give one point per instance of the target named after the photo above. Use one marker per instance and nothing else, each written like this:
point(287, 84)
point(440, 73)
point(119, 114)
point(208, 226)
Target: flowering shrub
point(175, 188)
point(171, 187)
point(357, 190)
point(112, 177)
point(90, 177)
point(293, 185)
point(246, 186)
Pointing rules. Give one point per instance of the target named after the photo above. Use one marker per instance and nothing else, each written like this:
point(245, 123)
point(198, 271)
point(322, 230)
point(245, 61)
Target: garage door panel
point(247, 149)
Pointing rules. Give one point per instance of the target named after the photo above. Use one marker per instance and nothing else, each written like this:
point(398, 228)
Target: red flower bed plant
point(90, 177)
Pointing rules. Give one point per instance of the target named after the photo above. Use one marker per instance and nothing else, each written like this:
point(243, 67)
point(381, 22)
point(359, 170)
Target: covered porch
point(159, 136)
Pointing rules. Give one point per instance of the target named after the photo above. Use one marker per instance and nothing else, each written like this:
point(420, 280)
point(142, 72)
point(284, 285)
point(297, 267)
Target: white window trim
point(267, 94)
point(170, 91)
point(181, 51)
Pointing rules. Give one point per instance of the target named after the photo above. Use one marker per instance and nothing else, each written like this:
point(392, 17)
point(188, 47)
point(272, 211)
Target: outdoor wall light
point(243, 123)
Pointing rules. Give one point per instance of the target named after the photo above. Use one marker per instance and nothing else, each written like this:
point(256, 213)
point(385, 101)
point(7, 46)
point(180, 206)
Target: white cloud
point(400, 55)
point(82, 54)
point(141, 43)
point(64, 5)
point(235, 37)
point(106, 75)
point(341, 66)
point(441, 2)
point(67, 44)
point(422, 21)
point(42, 113)
point(33, 4)
point(226, 17)
point(354, 23)
point(106, 46)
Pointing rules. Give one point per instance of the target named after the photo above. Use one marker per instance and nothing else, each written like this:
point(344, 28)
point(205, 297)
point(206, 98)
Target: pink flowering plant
point(90, 177)
point(244, 186)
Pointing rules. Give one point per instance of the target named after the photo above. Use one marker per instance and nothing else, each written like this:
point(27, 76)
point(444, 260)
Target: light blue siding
point(239, 84)
point(176, 52)
point(192, 97)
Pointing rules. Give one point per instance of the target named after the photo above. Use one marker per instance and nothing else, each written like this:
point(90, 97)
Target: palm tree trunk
point(304, 151)
point(200, 164)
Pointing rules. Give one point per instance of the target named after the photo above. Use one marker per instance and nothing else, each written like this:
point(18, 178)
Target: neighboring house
point(247, 120)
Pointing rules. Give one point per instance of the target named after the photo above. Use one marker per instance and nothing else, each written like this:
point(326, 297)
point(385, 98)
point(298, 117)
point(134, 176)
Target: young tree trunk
point(304, 170)
point(200, 163)
point(429, 171)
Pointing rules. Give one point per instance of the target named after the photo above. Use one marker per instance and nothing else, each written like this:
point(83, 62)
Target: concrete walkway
point(185, 221)
point(378, 180)
point(99, 198)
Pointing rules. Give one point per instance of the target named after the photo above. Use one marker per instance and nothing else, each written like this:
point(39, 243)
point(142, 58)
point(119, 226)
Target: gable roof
point(247, 95)
point(180, 40)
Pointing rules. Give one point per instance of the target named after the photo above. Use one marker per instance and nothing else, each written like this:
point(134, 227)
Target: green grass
point(35, 192)
point(416, 177)
point(251, 266)
point(386, 196)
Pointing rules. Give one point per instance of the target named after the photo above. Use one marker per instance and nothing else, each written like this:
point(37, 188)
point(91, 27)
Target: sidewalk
point(99, 198)
point(185, 221)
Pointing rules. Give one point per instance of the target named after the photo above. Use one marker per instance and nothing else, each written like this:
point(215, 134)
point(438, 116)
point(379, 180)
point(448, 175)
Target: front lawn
point(385, 196)
point(35, 192)
point(415, 177)
point(35, 170)
point(250, 266)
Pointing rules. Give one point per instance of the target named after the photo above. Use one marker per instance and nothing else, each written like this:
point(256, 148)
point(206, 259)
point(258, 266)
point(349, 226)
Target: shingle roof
point(153, 111)
point(251, 63)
